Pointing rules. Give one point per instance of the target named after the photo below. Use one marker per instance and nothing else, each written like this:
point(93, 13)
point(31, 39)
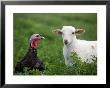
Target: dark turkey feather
point(30, 60)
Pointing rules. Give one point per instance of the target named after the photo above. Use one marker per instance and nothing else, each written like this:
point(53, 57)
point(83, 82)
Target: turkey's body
point(30, 60)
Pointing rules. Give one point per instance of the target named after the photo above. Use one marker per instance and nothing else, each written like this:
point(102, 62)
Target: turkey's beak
point(42, 37)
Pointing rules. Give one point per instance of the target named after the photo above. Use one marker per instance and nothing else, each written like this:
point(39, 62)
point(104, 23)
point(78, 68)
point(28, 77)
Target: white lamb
point(84, 49)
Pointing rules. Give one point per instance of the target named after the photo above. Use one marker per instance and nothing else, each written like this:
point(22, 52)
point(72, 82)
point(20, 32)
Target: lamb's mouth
point(67, 44)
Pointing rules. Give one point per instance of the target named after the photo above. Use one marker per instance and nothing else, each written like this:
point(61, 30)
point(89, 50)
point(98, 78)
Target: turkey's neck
point(32, 52)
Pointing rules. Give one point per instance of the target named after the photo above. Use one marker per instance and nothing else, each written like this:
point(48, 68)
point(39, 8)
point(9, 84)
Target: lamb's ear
point(79, 31)
point(57, 31)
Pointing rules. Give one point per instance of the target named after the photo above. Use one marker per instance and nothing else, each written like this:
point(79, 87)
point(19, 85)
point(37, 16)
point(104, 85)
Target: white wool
point(84, 49)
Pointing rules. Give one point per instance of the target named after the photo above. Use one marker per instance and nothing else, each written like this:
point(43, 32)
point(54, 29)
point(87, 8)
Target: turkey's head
point(35, 39)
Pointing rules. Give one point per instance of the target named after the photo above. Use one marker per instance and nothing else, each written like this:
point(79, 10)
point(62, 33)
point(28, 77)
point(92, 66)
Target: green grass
point(50, 50)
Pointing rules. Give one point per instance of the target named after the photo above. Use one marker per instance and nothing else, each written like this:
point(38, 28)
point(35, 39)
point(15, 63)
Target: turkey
point(31, 59)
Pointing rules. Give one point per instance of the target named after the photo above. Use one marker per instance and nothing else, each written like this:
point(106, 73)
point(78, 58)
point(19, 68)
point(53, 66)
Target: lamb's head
point(68, 33)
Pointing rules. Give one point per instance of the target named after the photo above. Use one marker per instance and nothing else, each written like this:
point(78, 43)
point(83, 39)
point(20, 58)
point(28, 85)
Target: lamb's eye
point(72, 32)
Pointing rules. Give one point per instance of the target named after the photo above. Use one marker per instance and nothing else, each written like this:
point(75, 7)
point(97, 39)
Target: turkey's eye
point(72, 32)
point(37, 35)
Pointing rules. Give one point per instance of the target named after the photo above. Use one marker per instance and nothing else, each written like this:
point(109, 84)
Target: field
point(50, 50)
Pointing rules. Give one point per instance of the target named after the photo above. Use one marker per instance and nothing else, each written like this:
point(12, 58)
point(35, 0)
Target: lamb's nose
point(66, 41)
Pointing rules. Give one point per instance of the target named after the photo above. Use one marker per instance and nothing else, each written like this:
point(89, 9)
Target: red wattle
point(35, 43)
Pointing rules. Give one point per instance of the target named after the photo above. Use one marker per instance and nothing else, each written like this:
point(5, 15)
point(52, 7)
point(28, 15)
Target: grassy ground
point(50, 49)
